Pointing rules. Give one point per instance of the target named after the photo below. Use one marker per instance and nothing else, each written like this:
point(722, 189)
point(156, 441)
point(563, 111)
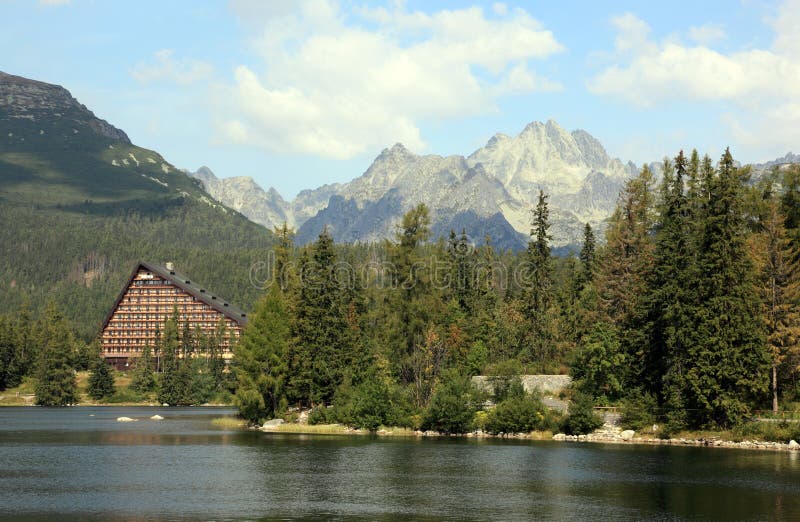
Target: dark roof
point(187, 285)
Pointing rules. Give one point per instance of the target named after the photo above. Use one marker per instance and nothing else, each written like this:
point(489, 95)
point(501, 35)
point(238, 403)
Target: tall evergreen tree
point(670, 300)
point(779, 285)
point(588, 256)
point(101, 379)
point(727, 367)
point(410, 305)
point(173, 387)
point(143, 380)
point(261, 358)
point(539, 285)
point(10, 371)
point(56, 385)
point(319, 347)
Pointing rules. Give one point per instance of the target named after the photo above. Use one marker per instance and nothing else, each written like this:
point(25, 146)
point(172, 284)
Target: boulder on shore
point(156, 417)
point(274, 423)
point(793, 444)
point(125, 419)
point(627, 434)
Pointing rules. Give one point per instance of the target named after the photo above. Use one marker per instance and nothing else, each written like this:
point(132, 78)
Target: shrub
point(251, 404)
point(453, 405)
point(638, 411)
point(582, 418)
point(521, 412)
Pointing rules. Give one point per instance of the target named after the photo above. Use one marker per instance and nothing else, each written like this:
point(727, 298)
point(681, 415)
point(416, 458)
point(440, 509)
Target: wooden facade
point(148, 300)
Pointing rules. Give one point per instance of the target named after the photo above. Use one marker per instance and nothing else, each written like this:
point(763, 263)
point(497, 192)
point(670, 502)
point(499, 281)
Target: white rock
point(793, 444)
point(125, 419)
point(156, 417)
point(165, 404)
point(559, 436)
point(274, 423)
point(627, 434)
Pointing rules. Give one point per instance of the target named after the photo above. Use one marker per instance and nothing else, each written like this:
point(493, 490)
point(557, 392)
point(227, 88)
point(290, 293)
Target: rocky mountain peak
point(32, 100)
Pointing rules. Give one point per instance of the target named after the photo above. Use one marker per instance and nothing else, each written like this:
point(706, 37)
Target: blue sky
point(298, 94)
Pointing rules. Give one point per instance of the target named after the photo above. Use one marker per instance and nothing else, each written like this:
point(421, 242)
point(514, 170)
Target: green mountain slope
point(80, 204)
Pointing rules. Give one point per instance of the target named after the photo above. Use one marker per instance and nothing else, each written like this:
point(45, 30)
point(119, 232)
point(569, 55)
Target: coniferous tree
point(10, 371)
point(670, 300)
point(539, 292)
point(56, 385)
point(101, 380)
point(779, 286)
point(321, 329)
point(588, 256)
point(143, 380)
point(727, 367)
point(172, 386)
point(261, 358)
point(409, 306)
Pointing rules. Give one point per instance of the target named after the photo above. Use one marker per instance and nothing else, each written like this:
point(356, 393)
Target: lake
point(79, 463)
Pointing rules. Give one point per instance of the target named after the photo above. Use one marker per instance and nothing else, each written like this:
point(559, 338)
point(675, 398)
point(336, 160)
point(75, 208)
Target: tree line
point(688, 308)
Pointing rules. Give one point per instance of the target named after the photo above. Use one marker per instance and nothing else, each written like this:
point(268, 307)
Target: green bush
point(581, 419)
point(251, 404)
point(453, 405)
point(639, 411)
point(123, 395)
point(520, 413)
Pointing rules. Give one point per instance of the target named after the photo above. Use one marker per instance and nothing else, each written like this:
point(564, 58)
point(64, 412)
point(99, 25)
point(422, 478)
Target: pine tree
point(173, 388)
point(10, 374)
point(539, 284)
point(143, 380)
point(726, 367)
point(410, 306)
point(56, 385)
point(101, 380)
point(779, 285)
point(320, 350)
point(588, 256)
point(670, 300)
point(261, 358)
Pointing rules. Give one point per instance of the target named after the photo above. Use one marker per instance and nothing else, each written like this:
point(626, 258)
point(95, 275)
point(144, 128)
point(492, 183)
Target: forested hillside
point(80, 204)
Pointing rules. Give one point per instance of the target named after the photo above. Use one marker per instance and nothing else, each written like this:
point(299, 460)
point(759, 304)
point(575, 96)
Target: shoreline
point(606, 435)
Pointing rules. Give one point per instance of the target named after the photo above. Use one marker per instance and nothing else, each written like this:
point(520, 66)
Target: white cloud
point(167, 69)
point(336, 84)
point(706, 34)
point(760, 84)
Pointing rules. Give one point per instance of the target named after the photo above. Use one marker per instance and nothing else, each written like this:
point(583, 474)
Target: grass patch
point(229, 422)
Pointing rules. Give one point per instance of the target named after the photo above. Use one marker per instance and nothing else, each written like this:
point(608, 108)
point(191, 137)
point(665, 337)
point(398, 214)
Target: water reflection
point(71, 464)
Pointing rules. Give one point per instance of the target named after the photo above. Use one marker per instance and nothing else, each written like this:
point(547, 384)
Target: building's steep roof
point(187, 285)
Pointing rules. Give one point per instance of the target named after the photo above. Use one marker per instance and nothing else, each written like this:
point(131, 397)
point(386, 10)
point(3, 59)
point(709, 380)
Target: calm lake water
point(79, 463)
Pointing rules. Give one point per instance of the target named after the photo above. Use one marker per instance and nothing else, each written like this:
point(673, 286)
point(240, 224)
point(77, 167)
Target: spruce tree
point(101, 380)
point(56, 385)
point(409, 306)
point(143, 380)
point(261, 358)
point(588, 256)
point(320, 349)
point(172, 386)
point(539, 283)
point(726, 366)
point(10, 374)
point(670, 298)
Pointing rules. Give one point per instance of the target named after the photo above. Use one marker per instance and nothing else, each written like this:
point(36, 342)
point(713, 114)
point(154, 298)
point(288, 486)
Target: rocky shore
point(605, 435)
point(615, 435)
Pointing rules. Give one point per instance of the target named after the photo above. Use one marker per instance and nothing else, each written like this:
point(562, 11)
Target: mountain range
point(489, 192)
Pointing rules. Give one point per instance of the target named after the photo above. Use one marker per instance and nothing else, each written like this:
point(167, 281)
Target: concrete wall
point(546, 384)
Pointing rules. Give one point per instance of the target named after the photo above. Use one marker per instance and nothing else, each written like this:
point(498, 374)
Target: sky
point(297, 94)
